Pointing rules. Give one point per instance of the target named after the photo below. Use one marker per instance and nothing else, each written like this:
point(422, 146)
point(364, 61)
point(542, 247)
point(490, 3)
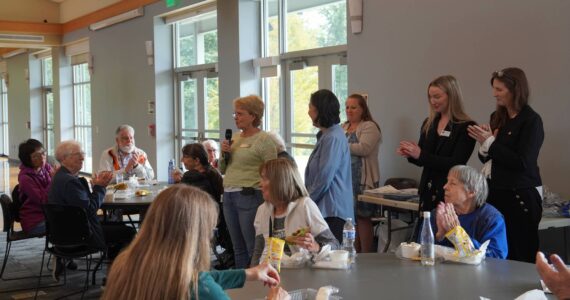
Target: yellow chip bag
point(462, 242)
point(273, 252)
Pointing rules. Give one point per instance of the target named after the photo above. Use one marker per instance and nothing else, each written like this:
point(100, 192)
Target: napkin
point(532, 295)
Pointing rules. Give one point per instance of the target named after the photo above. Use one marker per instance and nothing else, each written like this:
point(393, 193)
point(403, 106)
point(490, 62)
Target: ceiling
point(48, 20)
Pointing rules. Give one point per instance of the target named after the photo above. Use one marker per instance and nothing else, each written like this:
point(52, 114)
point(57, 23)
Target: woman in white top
point(287, 208)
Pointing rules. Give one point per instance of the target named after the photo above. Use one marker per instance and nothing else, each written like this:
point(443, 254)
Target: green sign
point(172, 3)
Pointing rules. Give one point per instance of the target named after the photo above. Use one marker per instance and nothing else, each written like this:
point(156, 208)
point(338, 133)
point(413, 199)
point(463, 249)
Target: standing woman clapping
point(510, 145)
point(364, 137)
point(444, 141)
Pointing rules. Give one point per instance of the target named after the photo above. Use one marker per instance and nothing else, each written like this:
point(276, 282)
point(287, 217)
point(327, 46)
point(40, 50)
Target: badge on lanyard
point(445, 133)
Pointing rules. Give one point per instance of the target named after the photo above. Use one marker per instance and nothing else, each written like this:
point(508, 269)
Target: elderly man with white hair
point(68, 189)
point(125, 158)
point(465, 196)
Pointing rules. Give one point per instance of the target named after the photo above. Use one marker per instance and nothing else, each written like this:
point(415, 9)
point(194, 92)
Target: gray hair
point(210, 143)
point(278, 141)
point(473, 181)
point(65, 148)
point(124, 127)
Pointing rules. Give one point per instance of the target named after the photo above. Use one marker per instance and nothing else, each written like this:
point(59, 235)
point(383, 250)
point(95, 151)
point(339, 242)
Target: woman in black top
point(510, 145)
point(444, 141)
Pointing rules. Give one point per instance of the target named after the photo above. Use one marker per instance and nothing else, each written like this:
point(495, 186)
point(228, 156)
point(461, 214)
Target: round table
point(384, 276)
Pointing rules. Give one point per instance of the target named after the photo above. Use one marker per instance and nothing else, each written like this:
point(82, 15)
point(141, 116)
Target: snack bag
point(462, 242)
point(273, 252)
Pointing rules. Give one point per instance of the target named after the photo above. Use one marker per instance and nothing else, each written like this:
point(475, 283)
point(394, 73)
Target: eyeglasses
point(239, 114)
point(39, 154)
point(504, 77)
point(211, 150)
point(80, 153)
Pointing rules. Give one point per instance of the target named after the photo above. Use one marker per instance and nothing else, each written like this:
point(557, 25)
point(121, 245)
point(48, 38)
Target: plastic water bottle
point(170, 171)
point(426, 240)
point(348, 237)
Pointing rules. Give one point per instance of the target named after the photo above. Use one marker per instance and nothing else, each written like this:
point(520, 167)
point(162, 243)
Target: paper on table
point(388, 189)
point(532, 295)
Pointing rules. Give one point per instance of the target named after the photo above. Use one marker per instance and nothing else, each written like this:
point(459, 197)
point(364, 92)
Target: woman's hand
point(278, 293)
point(558, 279)
point(409, 149)
point(308, 242)
point(263, 272)
point(446, 219)
point(177, 175)
point(226, 146)
point(479, 133)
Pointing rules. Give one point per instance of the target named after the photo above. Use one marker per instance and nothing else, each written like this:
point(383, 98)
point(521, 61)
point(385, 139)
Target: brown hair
point(366, 115)
point(285, 183)
point(171, 249)
point(515, 81)
point(450, 86)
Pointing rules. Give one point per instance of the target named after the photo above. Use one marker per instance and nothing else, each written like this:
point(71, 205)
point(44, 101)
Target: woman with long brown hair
point(510, 145)
point(170, 257)
point(364, 137)
point(444, 141)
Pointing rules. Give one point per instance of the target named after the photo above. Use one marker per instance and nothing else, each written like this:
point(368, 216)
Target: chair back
point(66, 226)
point(16, 203)
point(401, 183)
point(6, 203)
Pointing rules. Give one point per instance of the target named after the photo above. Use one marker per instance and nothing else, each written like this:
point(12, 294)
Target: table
point(133, 201)
point(388, 204)
point(384, 276)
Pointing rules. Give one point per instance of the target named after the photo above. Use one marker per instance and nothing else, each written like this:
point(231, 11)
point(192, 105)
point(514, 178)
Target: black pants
point(336, 225)
point(522, 209)
point(117, 236)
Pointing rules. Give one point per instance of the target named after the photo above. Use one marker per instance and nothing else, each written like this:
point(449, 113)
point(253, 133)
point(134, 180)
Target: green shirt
point(246, 157)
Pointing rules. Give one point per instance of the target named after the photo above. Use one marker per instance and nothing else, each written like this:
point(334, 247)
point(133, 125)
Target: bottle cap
point(426, 214)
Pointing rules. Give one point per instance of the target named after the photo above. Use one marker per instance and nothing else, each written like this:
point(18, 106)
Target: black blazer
point(438, 155)
point(515, 152)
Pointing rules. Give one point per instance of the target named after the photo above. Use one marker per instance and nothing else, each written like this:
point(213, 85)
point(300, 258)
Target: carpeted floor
point(24, 260)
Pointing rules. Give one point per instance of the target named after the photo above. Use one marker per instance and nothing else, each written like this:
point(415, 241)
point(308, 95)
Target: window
point(47, 99)
point(197, 97)
point(82, 112)
point(4, 148)
point(307, 39)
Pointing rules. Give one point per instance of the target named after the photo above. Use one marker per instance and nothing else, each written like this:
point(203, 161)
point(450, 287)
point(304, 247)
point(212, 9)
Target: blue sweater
point(328, 176)
point(485, 223)
point(211, 285)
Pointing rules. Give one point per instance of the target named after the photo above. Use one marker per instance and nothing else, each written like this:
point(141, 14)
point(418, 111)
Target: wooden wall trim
point(104, 13)
point(30, 27)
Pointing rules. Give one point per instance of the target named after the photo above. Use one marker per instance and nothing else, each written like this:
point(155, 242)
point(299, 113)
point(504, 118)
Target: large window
point(82, 112)
point(47, 99)
point(4, 148)
point(196, 44)
point(308, 40)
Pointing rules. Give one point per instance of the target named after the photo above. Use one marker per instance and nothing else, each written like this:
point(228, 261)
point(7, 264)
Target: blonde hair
point(253, 105)
point(450, 86)
point(285, 181)
point(170, 250)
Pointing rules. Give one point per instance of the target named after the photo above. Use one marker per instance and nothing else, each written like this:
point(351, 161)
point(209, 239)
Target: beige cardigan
point(367, 148)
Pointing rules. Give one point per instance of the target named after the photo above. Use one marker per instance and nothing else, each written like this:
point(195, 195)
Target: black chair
point(67, 237)
point(8, 212)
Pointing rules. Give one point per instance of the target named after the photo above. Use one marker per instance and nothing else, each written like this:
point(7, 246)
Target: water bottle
point(348, 237)
point(170, 171)
point(426, 240)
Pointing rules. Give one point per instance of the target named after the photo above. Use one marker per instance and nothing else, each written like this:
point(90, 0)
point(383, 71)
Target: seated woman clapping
point(287, 209)
point(465, 195)
point(170, 257)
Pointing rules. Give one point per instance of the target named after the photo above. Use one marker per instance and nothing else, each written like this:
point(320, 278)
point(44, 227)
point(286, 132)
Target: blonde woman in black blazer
point(510, 145)
point(444, 141)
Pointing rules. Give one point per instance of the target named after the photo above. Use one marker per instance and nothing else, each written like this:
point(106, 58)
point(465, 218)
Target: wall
point(406, 43)
point(18, 102)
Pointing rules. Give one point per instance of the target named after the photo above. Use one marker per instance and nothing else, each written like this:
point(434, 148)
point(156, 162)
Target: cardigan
point(34, 188)
point(211, 285)
point(368, 146)
point(515, 152)
point(438, 155)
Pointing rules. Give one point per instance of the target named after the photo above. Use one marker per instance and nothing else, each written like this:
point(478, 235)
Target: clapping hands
point(480, 133)
point(409, 149)
point(446, 219)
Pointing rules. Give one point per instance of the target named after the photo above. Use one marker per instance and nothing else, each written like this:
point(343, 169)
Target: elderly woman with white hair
point(465, 196)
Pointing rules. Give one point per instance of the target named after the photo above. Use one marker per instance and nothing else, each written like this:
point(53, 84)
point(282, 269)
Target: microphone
point(227, 155)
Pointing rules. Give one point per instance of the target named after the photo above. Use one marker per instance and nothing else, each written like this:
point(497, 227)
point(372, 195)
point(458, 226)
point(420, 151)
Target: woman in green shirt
point(170, 256)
